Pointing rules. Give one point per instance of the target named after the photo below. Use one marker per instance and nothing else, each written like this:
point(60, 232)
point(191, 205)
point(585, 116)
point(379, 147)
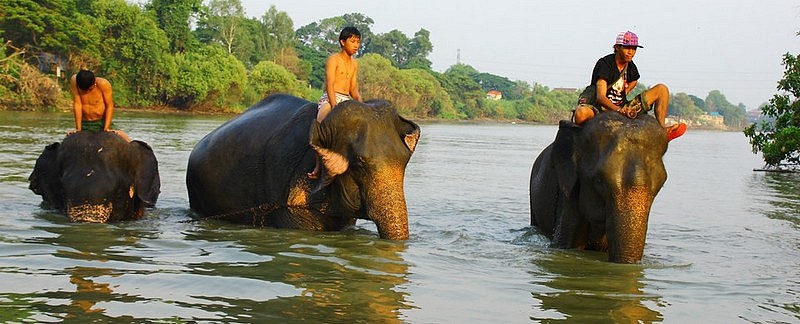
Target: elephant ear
point(563, 156)
point(148, 181)
point(332, 163)
point(44, 180)
point(410, 132)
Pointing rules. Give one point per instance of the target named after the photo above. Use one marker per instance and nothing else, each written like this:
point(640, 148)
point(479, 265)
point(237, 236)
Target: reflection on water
point(782, 193)
point(723, 243)
point(583, 289)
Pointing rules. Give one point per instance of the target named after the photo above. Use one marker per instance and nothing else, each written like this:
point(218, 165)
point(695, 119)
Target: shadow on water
point(582, 287)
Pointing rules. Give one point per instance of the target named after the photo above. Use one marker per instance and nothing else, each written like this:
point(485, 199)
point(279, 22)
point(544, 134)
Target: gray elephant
point(97, 177)
point(592, 188)
point(253, 169)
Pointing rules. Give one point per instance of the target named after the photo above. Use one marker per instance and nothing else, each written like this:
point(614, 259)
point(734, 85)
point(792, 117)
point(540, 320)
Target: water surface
point(723, 243)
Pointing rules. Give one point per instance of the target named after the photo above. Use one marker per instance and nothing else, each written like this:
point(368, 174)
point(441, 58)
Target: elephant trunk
point(386, 203)
point(89, 213)
point(627, 228)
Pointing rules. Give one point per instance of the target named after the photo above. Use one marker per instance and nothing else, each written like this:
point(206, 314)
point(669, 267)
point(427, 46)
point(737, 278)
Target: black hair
point(348, 32)
point(84, 79)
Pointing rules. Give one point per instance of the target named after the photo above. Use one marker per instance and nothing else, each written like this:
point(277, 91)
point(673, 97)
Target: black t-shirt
point(606, 69)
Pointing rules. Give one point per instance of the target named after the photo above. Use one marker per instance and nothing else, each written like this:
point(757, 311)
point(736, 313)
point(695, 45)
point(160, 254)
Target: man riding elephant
point(253, 169)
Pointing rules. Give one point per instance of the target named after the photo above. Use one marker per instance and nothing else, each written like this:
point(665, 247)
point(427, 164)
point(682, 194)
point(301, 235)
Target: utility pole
point(458, 56)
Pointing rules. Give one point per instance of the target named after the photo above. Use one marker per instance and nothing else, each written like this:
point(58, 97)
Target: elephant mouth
point(89, 213)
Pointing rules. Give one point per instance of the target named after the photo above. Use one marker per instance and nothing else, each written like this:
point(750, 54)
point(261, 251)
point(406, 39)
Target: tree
point(467, 94)
point(268, 78)
point(735, 116)
point(226, 24)
point(323, 36)
point(683, 106)
point(777, 136)
point(173, 18)
point(207, 76)
point(404, 52)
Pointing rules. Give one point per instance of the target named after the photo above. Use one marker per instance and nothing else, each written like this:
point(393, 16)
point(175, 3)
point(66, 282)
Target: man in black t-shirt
point(613, 77)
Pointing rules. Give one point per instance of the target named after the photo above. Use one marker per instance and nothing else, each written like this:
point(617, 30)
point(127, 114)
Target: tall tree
point(137, 58)
point(404, 52)
point(777, 136)
point(173, 17)
point(323, 35)
point(226, 20)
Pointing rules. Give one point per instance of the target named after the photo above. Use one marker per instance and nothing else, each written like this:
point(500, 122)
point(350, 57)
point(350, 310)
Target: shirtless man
point(92, 104)
point(340, 78)
point(340, 74)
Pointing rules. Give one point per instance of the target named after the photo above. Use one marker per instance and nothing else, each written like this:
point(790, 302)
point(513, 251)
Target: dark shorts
point(94, 125)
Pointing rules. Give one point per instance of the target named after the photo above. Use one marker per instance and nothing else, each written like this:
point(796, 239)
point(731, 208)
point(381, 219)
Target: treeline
point(196, 55)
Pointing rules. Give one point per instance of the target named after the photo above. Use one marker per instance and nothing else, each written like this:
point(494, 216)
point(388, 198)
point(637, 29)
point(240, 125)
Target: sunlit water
point(723, 244)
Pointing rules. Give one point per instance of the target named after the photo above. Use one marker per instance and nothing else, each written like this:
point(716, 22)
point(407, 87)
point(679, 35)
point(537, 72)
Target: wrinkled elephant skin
point(592, 188)
point(253, 169)
point(97, 177)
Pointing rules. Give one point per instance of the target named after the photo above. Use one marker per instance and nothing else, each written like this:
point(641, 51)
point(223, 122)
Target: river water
point(723, 244)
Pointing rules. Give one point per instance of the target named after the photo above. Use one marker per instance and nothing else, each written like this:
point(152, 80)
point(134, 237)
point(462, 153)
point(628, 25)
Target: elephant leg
point(568, 222)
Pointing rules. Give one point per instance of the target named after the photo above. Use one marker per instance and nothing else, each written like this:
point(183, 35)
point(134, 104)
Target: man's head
point(84, 79)
point(348, 32)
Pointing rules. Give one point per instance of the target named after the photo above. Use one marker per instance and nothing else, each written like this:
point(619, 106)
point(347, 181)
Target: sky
point(692, 46)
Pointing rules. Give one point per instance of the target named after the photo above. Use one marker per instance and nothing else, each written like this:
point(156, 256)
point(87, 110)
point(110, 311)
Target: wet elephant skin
point(97, 177)
point(253, 168)
point(592, 188)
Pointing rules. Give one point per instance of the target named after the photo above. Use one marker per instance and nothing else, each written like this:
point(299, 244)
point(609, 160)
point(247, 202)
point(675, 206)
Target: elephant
point(97, 177)
point(253, 169)
point(592, 188)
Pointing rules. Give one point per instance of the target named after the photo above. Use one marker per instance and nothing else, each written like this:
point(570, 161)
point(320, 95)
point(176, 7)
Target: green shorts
point(94, 125)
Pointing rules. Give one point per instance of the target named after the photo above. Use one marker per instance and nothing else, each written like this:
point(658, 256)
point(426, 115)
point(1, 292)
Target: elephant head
point(364, 149)
point(593, 187)
point(97, 177)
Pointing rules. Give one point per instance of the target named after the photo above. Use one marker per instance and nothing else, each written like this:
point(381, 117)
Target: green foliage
point(172, 17)
point(153, 57)
point(683, 106)
point(490, 81)
point(316, 64)
point(404, 52)
point(267, 78)
point(735, 116)
point(49, 26)
point(777, 136)
point(207, 77)
point(323, 36)
point(139, 64)
point(414, 92)
point(467, 94)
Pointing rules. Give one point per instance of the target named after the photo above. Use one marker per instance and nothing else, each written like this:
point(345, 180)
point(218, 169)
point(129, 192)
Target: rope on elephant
point(259, 211)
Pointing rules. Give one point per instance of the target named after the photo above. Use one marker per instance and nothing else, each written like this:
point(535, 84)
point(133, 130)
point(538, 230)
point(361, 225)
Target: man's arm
point(602, 100)
point(330, 79)
point(77, 105)
point(108, 101)
point(354, 82)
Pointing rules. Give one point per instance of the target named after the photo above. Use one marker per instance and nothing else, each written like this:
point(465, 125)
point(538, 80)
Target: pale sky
point(692, 46)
